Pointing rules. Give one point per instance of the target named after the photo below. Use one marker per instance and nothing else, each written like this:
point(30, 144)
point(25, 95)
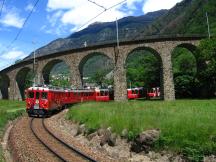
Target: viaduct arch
point(74, 58)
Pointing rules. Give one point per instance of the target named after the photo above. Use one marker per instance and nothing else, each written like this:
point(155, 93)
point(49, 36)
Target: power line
point(97, 4)
point(21, 29)
point(100, 14)
point(3, 2)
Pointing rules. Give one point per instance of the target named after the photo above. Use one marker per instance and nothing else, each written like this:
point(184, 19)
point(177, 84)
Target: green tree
point(207, 72)
point(60, 80)
point(143, 69)
point(184, 72)
point(99, 77)
point(29, 79)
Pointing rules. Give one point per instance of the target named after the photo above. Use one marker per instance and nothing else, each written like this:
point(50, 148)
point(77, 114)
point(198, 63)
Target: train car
point(43, 100)
point(154, 93)
point(135, 93)
point(102, 95)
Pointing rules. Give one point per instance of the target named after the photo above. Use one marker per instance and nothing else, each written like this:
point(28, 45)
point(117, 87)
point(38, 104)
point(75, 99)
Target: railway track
point(55, 145)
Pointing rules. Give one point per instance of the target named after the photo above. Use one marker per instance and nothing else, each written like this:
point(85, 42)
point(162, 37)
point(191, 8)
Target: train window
point(102, 93)
point(137, 91)
point(30, 94)
point(37, 95)
point(44, 95)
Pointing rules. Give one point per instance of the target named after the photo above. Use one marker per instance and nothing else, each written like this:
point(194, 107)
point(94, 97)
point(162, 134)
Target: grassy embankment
point(187, 126)
point(9, 110)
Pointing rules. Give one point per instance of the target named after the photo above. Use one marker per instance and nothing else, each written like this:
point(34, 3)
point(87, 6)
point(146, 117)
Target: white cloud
point(29, 7)
point(8, 58)
point(14, 54)
point(12, 18)
point(68, 15)
point(154, 5)
point(131, 3)
point(75, 13)
point(53, 19)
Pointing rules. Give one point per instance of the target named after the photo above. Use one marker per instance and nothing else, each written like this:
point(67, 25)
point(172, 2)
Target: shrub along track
point(25, 146)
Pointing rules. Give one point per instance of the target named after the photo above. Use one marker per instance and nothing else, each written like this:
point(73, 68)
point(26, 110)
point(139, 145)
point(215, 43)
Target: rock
point(92, 135)
point(179, 159)
point(211, 158)
point(105, 136)
point(112, 139)
point(124, 133)
point(81, 129)
point(136, 147)
point(145, 140)
point(101, 131)
point(153, 155)
point(139, 158)
point(148, 137)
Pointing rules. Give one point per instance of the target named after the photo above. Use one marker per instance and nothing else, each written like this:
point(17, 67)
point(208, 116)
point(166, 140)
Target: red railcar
point(139, 92)
point(135, 93)
point(154, 92)
point(44, 100)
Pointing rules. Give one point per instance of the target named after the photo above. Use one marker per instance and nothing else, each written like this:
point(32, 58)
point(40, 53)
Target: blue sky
point(52, 19)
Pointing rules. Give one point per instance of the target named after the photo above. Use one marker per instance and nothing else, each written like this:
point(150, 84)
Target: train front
point(37, 101)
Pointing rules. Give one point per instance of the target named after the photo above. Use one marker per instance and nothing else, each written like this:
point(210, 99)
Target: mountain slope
point(100, 33)
point(187, 17)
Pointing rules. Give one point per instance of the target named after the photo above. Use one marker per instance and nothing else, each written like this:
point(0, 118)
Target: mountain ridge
point(104, 32)
point(185, 18)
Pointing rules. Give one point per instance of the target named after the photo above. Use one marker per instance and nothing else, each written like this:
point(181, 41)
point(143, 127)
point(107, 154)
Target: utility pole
point(33, 42)
point(117, 33)
point(207, 20)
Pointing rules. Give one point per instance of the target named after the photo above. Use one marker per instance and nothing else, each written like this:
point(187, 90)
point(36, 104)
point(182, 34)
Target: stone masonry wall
point(162, 50)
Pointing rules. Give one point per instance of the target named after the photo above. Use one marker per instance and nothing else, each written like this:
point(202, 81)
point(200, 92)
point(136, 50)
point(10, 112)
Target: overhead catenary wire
point(100, 14)
point(97, 4)
point(18, 34)
point(23, 25)
point(2, 6)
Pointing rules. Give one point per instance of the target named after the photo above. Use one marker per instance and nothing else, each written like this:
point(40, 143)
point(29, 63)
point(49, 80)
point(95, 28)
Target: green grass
point(187, 126)
point(9, 110)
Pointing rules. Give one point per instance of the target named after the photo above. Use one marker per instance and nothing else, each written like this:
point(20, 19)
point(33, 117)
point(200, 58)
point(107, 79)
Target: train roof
point(61, 89)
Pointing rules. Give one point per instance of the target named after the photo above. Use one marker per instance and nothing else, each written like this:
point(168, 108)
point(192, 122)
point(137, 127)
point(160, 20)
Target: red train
point(44, 100)
point(135, 93)
point(140, 92)
point(154, 92)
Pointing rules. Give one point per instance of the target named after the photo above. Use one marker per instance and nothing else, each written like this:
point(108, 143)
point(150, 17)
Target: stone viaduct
point(12, 77)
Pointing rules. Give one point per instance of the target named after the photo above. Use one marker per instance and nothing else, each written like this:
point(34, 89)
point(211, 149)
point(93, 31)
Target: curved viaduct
point(12, 76)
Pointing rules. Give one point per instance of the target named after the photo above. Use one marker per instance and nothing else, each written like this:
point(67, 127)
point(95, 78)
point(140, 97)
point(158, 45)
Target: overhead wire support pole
point(207, 20)
point(33, 42)
point(117, 33)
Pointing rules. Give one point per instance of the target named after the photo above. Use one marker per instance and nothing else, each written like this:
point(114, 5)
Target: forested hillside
point(187, 17)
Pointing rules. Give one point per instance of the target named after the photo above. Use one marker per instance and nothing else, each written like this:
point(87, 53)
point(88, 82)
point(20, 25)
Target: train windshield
point(30, 94)
point(44, 95)
point(37, 95)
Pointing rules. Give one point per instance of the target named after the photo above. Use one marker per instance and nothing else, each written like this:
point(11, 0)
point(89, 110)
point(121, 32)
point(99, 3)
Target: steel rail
point(69, 146)
point(52, 151)
point(73, 149)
